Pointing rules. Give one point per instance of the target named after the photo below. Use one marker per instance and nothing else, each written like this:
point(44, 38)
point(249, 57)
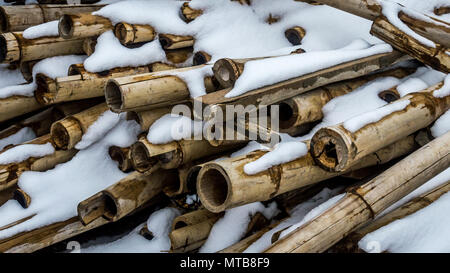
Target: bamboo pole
point(82, 25)
point(13, 47)
point(149, 91)
point(336, 148)
point(307, 107)
point(295, 35)
point(178, 56)
point(192, 218)
point(350, 243)
point(283, 90)
point(442, 10)
point(188, 14)
point(146, 118)
point(19, 18)
point(122, 157)
point(134, 33)
point(170, 41)
point(125, 196)
point(15, 106)
point(89, 45)
point(22, 197)
point(224, 184)
point(201, 57)
point(26, 68)
point(363, 203)
point(66, 133)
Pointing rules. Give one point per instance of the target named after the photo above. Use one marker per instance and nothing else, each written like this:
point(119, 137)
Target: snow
point(259, 73)
point(232, 226)
point(23, 135)
point(282, 153)
point(194, 79)
point(99, 128)
point(9, 77)
point(43, 30)
point(52, 67)
point(297, 214)
point(250, 147)
point(159, 224)
point(172, 127)
point(356, 123)
point(444, 90)
point(441, 125)
point(22, 152)
point(423, 78)
point(56, 193)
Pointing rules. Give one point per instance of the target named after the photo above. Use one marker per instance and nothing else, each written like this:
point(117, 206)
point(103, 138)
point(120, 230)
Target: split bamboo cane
point(170, 41)
point(149, 91)
point(188, 14)
point(15, 106)
point(134, 33)
point(350, 243)
point(336, 148)
point(82, 25)
point(13, 47)
point(363, 203)
point(124, 197)
point(66, 133)
point(224, 184)
point(122, 157)
point(19, 18)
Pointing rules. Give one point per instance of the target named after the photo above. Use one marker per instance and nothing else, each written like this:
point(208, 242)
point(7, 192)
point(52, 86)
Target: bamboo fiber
point(133, 33)
point(224, 184)
point(13, 47)
point(15, 106)
point(66, 133)
point(149, 91)
point(188, 14)
point(19, 18)
point(363, 203)
point(82, 25)
point(336, 148)
point(170, 41)
point(125, 196)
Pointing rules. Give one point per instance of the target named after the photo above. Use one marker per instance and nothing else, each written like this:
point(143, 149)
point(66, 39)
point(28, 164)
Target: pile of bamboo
point(393, 155)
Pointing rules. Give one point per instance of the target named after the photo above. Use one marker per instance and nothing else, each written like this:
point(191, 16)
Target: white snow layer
point(48, 29)
point(22, 152)
point(444, 90)
point(23, 135)
point(9, 77)
point(441, 125)
point(172, 127)
point(159, 224)
point(232, 226)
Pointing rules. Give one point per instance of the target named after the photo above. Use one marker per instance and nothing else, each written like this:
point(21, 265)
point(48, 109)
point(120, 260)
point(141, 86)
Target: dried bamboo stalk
point(201, 57)
point(307, 107)
point(26, 68)
point(442, 10)
point(13, 47)
point(295, 35)
point(19, 18)
point(178, 56)
point(22, 197)
point(363, 203)
point(122, 156)
point(336, 148)
point(89, 45)
point(134, 33)
point(66, 133)
point(82, 25)
point(283, 90)
point(192, 218)
point(188, 14)
point(146, 118)
point(350, 243)
point(170, 41)
point(149, 91)
point(15, 106)
point(125, 196)
point(224, 184)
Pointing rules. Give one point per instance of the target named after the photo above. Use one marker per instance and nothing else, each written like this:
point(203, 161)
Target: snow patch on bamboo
point(49, 29)
point(22, 152)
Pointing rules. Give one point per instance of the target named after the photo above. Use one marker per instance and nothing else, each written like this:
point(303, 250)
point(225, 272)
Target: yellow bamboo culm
point(337, 147)
point(82, 25)
point(188, 14)
point(363, 203)
point(170, 41)
point(15, 106)
point(134, 33)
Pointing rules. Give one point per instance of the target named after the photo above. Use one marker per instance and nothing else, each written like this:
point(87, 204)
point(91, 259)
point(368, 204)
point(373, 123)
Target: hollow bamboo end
point(201, 57)
point(120, 155)
point(389, 95)
point(329, 149)
point(124, 33)
point(191, 178)
point(226, 72)
point(65, 133)
point(9, 48)
point(75, 69)
point(188, 14)
point(46, 89)
point(22, 197)
point(213, 187)
point(113, 95)
point(288, 114)
point(65, 26)
point(141, 159)
point(111, 211)
point(295, 35)
point(165, 41)
point(91, 208)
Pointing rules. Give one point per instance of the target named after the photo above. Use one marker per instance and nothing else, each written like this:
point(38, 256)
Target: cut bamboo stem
point(178, 56)
point(442, 10)
point(307, 107)
point(224, 184)
point(89, 45)
point(188, 14)
point(336, 148)
point(149, 91)
point(363, 203)
point(170, 41)
point(66, 133)
point(201, 57)
point(350, 243)
point(22, 197)
point(295, 35)
point(192, 218)
point(82, 25)
point(19, 18)
point(122, 157)
point(15, 106)
point(134, 33)
point(13, 47)
point(147, 118)
point(126, 196)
